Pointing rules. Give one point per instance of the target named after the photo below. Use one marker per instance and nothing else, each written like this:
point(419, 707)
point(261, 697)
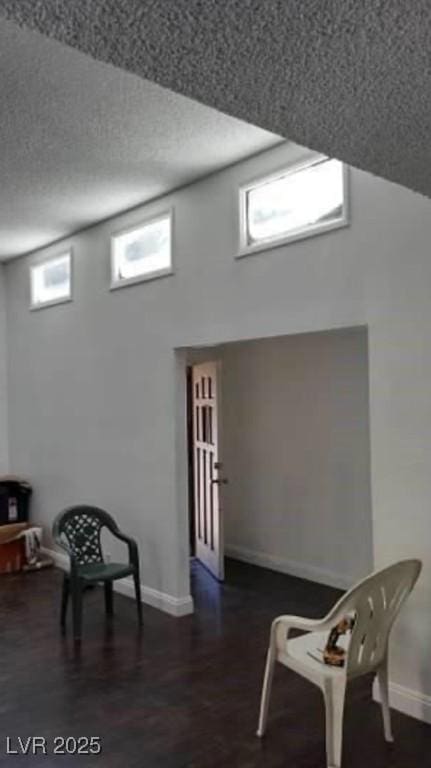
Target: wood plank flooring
point(182, 693)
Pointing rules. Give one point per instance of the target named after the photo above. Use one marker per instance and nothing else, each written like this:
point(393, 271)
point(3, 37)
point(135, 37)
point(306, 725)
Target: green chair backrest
point(81, 527)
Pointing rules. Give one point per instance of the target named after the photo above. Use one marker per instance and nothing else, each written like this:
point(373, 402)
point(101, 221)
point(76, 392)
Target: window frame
point(245, 248)
point(34, 306)
point(116, 282)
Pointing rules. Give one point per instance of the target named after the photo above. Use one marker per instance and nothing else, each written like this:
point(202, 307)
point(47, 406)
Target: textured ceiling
point(81, 140)
point(351, 78)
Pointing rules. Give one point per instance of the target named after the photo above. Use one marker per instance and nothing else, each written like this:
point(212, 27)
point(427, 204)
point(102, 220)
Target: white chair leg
point(266, 691)
point(334, 694)
point(382, 677)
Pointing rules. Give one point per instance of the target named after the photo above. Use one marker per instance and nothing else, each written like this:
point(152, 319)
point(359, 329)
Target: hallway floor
point(183, 693)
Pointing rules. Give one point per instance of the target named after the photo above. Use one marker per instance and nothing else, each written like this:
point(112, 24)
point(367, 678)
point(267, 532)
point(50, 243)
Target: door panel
point(207, 468)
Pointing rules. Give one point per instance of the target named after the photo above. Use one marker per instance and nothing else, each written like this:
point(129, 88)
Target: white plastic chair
point(375, 603)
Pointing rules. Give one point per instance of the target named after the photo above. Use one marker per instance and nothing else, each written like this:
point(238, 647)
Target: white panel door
point(208, 480)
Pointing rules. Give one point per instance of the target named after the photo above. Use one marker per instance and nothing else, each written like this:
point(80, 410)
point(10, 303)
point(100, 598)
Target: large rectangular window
point(51, 281)
point(294, 203)
point(143, 252)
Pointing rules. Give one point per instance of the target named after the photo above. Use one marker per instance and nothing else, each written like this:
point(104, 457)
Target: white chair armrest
point(282, 625)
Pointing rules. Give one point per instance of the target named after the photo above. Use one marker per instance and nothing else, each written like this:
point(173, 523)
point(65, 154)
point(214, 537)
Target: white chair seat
point(304, 654)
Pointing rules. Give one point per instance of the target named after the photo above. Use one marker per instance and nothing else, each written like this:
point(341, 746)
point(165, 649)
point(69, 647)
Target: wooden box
point(12, 548)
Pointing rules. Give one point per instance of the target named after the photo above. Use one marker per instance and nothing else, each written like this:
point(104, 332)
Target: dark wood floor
point(183, 692)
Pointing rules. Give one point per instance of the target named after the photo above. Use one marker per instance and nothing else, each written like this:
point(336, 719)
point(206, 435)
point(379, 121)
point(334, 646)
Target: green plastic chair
point(77, 530)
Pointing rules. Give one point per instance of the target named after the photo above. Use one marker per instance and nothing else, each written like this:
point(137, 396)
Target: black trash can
point(14, 500)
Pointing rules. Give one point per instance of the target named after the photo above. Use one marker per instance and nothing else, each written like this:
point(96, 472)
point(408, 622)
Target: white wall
point(296, 452)
point(4, 439)
point(95, 385)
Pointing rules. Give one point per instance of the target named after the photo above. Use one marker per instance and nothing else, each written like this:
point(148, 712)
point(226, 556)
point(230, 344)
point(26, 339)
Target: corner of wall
point(4, 410)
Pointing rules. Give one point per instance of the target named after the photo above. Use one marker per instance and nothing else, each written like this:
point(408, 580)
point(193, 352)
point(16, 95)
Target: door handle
point(220, 481)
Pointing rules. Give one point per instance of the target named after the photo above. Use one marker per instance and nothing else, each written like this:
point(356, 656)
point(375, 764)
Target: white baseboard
point(413, 703)
point(175, 606)
point(291, 567)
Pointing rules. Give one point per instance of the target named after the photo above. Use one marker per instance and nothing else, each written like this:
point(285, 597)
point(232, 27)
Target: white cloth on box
point(32, 544)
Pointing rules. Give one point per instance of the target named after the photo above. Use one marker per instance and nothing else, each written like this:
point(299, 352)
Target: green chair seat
point(104, 571)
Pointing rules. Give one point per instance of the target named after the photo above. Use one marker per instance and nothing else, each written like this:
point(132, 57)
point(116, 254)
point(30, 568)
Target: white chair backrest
point(375, 603)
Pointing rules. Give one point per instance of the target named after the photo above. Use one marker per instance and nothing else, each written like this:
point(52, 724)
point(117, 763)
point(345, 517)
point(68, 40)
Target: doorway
point(295, 450)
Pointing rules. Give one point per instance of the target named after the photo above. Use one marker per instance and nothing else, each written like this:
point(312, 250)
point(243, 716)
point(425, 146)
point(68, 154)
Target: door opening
point(295, 445)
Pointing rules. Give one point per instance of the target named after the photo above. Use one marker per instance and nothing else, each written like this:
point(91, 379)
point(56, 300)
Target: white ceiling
point(348, 78)
point(81, 140)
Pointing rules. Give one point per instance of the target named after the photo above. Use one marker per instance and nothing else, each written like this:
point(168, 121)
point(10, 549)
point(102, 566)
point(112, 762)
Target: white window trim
point(34, 307)
point(156, 274)
point(246, 249)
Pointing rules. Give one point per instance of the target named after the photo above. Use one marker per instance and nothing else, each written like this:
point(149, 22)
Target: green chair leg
point(76, 591)
point(64, 601)
point(137, 580)
point(109, 598)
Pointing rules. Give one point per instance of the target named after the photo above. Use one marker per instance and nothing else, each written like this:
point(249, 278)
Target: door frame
point(190, 460)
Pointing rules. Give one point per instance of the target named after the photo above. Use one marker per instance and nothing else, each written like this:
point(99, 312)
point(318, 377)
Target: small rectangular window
point(51, 281)
point(295, 203)
point(142, 253)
